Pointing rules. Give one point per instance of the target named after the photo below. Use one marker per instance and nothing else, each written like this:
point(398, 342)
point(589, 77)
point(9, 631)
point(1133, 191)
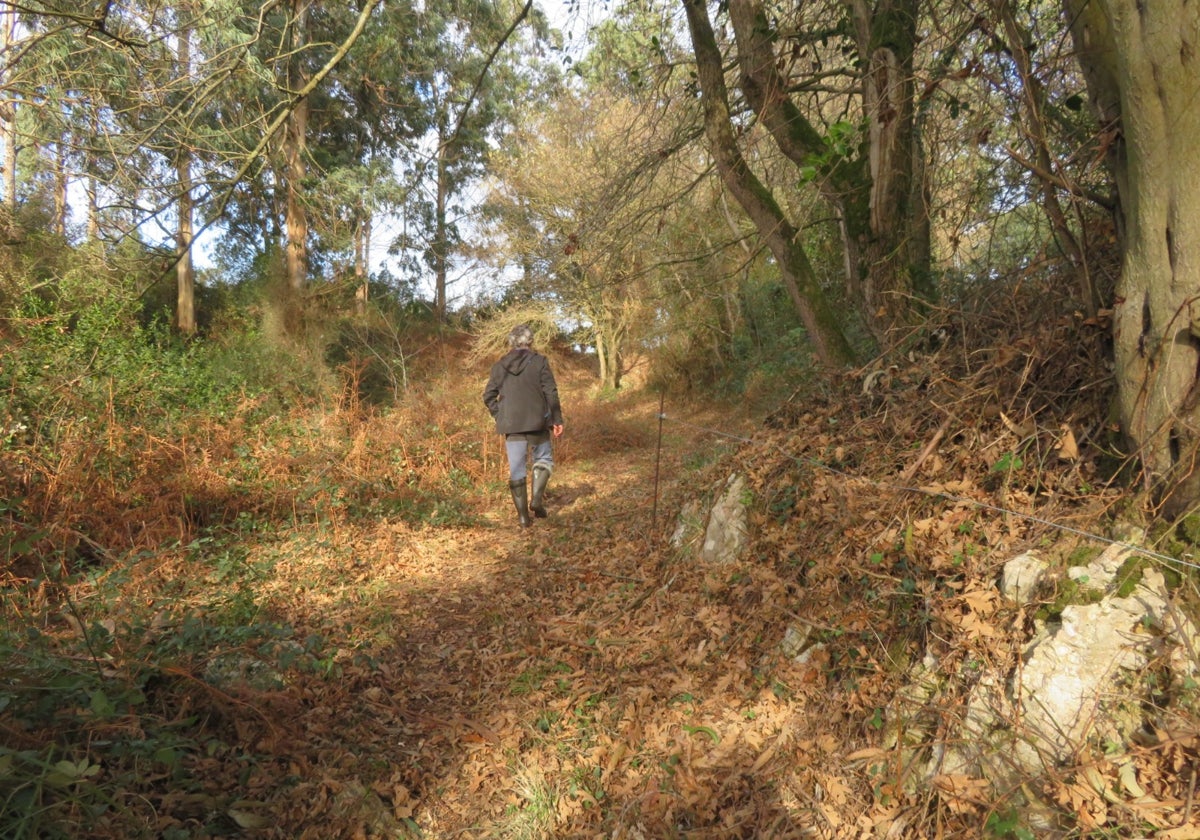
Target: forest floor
point(451, 675)
point(573, 679)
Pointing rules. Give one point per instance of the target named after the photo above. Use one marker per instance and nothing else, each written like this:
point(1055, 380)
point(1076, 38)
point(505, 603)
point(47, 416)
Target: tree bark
point(185, 272)
point(8, 113)
point(892, 248)
point(362, 251)
point(295, 150)
point(441, 247)
point(1140, 61)
point(829, 343)
point(61, 208)
point(185, 275)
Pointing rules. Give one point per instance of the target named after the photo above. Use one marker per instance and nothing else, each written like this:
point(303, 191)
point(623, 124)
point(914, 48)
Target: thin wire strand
point(938, 494)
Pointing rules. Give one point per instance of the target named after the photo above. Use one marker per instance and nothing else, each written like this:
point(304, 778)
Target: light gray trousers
point(521, 447)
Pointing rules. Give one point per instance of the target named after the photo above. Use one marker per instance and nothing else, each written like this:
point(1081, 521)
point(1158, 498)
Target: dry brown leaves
point(587, 678)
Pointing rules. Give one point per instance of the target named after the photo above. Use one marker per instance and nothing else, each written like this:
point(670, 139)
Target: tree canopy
point(877, 165)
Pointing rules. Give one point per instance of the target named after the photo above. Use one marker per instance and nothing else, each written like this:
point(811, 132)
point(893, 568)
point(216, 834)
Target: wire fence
point(904, 488)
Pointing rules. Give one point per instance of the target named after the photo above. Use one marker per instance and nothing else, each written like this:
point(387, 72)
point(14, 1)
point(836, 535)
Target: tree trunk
point(608, 353)
point(185, 273)
point(295, 150)
point(362, 251)
point(601, 353)
point(8, 113)
point(614, 302)
point(92, 225)
point(185, 276)
point(1140, 62)
point(440, 246)
point(61, 208)
point(829, 343)
point(892, 248)
point(614, 366)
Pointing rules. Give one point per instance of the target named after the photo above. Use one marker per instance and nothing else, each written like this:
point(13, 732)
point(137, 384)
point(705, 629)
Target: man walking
point(523, 398)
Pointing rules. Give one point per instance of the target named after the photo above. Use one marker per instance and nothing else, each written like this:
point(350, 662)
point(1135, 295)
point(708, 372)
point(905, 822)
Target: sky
point(572, 18)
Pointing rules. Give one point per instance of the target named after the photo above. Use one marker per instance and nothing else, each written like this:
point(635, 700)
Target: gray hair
point(521, 336)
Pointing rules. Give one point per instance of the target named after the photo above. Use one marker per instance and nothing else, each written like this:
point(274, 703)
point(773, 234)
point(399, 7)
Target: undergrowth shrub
point(370, 355)
point(102, 694)
point(103, 413)
point(749, 346)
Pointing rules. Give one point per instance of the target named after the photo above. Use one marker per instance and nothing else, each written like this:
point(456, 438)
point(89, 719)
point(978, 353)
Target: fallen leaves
point(583, 679)
point(971, 613)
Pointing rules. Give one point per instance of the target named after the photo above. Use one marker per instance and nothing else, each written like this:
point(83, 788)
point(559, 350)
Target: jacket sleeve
point(550, 392)
point(491, 393)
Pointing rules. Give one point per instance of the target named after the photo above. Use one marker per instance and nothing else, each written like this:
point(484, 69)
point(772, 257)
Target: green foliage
point(1007, 824)
point(1006, 463)
point(109, 677)
point(1188, 528)
point(535, 677)
point(433, 503)
point(370, 356)
point(1069, 591)
point(1082, 555)
point(1129, 576)
point(87, 354)
point(841, 143)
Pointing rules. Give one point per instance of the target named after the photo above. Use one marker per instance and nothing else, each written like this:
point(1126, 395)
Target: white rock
point(1021, 576)
point(725, 537)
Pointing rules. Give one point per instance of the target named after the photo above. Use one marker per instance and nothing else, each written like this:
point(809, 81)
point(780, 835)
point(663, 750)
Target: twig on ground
point(912, 468)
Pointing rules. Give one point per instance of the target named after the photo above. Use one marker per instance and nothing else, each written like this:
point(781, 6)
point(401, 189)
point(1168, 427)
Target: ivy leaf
point(100, 705)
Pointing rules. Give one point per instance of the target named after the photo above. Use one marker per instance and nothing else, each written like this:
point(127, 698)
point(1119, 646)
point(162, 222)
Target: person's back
point(522, 396)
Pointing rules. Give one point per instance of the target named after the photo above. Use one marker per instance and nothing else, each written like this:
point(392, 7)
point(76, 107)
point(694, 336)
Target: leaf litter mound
point(446, 674)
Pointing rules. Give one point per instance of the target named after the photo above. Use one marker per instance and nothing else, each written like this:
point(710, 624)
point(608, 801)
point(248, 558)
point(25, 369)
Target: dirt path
point(570, 680)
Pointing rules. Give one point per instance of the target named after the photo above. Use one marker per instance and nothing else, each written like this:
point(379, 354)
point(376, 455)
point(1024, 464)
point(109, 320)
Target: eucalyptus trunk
point(185, 275)
point(185, 272)
point(62, 208)
point(8, 115)
point(441, 247)
point(362, 250)
point(295, 150)
point(1140, 60)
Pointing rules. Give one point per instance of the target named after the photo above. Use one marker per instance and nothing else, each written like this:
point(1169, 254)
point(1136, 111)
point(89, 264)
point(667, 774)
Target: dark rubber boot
point(541, 475)
point(520, 500)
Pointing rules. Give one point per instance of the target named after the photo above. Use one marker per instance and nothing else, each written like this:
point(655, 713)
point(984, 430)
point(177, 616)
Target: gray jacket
point(521, 393)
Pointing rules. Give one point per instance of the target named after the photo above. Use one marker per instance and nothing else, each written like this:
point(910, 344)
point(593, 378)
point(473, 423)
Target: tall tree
point(8, 113)
point(1140, 60)
point(295, 144)
point(471, 90)
point(185, 275)
point(804, 288)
